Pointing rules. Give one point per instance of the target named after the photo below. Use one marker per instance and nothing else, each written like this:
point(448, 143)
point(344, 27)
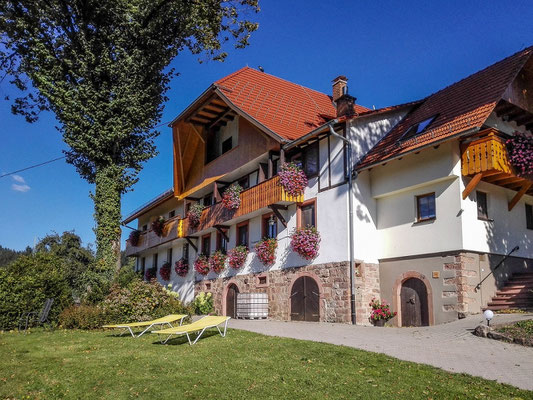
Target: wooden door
point(305, 300)
point(231, 301)
point(414, 303)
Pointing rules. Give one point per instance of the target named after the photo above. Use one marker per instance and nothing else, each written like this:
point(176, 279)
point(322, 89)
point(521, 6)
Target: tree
point(102, 67)
point(7, 255)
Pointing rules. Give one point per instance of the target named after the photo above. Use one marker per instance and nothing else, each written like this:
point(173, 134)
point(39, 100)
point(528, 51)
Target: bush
point(83, 317)
point(203, 303)
point(26, 283)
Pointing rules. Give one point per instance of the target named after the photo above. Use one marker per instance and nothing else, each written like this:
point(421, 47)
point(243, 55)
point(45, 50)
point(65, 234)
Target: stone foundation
point(333, 281)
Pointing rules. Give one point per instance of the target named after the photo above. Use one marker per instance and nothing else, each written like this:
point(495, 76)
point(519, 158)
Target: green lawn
point(78, 365)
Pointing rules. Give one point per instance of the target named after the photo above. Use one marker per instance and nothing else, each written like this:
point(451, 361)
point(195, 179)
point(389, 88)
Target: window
point(482, 209)
point(310, 159)
point(206, 244)
point(242, 234)
point(306, 214)
point(227, 145)
point(169, 255)
point(145, 227)
point(244, 182)
point(155, 260)
point(529, 216)
point(185, 251)
point(418, 128)
point(208, 200)
point(425, 205)
point(222, 243)
point(143, 265)
point(172, 214)
point(270, 226)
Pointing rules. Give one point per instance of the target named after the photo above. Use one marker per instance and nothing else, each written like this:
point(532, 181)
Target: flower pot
point(379, 322)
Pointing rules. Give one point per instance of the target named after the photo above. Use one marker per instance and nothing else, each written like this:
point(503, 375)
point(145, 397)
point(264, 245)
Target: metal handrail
point(478, 286)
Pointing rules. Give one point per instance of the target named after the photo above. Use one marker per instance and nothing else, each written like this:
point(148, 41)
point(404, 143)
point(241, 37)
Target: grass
point(98, 365)
point(522, 330)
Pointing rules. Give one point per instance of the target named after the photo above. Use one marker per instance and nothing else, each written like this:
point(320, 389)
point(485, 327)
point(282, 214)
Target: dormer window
point(417, 129)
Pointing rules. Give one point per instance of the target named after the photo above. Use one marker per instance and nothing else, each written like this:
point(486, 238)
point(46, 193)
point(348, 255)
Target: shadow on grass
point(180, 340)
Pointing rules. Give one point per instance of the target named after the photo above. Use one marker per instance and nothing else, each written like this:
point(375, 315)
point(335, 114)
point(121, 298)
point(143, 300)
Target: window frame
point(238, 235)
point(418, 198)
point(486, 216)
point(169, 255)
point(265, 226)
point(208, 237)
point(299, 216)
point(185, 252)
point(172, 214)
point(529, 216)
point(220, 240)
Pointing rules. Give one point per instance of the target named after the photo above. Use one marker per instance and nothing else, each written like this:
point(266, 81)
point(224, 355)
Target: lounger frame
point(128, 328)
point(222, 333)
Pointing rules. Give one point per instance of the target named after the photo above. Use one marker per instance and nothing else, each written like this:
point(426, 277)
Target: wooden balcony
point(269, 193)
point(266, 194)
point(486, 159)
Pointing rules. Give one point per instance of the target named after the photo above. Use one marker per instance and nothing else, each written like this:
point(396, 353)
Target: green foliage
point(103, 69)
point(203, 303)
point(83, 317)
point(8, 255)
point(26, 283)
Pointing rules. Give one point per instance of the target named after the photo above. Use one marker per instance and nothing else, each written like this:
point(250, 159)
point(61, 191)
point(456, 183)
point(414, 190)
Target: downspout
point(350, 212)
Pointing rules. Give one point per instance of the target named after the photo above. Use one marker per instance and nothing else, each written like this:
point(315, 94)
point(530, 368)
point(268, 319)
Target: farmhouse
point(415, 204)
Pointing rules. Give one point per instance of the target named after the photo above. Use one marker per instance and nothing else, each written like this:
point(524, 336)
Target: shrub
point(182, 267)
point(306, 242)
point(164, 271)
point(217, 262)
point(292, 178)
point(380, 311)
point(203, 303)
point(231, 199)
point(134, 237)
point(158, 225)
point(520, 147)
point(201, 265)
point(27, 282)
point(150, 273)
point(237, 256)
point(83, 317)
point(194, 214)
point(265, 250)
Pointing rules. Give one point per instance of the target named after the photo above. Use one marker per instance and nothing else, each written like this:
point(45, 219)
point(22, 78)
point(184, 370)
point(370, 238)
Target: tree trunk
point(107, 216)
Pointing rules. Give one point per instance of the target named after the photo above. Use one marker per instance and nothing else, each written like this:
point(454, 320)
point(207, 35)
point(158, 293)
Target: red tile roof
point(287, 109)
point(461, 106)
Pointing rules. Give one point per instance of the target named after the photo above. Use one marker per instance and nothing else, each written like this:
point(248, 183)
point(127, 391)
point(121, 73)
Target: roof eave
point(199, 100)
point(166, 195)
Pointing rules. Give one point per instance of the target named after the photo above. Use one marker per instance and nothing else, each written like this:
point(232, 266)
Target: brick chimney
point(343, 101)
point(339, 87)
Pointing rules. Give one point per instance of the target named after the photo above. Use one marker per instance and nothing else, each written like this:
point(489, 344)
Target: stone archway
point(418, 296)
point(229, 299)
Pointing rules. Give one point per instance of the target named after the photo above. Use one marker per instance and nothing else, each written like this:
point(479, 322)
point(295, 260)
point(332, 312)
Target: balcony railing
point(487, 159)
point(265, 194)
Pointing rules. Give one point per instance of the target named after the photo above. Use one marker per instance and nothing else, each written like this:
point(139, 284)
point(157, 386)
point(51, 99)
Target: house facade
point(434, 205)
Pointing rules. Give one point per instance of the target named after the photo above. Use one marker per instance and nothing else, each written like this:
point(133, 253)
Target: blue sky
point(392, 52)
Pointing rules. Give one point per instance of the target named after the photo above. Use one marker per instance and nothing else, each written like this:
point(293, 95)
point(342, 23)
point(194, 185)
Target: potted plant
point(158, 225)
point(182, 267)
point(217, 261)
point(265, 250)
point(231, 199)
point(195, 213)
point(292, 178)
point(237, 256)
point(201, 264)
point(306, 242)
point(134, 237)
point(380, 313)
point(150, 273)
point(520, 149)
point(164, 271)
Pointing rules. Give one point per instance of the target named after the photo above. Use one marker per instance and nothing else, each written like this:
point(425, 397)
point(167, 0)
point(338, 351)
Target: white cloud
point(18, 178)
point(20, 188)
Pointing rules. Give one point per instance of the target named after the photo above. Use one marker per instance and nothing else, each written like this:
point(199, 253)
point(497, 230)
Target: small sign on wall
point(436, 274)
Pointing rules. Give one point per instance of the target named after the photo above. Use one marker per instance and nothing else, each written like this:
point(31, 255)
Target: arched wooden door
point(414, 303)
point(231, 301)
point(305, 300)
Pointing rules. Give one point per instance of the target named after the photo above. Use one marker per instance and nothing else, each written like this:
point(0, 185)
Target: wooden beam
point(220, 117)
point(198, 133)
point(525, 120)
point(518, 196)
point(216, 193)
point(199, 119)
point(281, 157)
point(214, 108)
point(275, 209)
point(188, 239)
point(181, 159)
point(205, 113)
point(220, 228)
point(472, 185)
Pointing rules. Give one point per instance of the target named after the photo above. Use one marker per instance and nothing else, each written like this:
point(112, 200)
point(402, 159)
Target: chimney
point(344, 102)
point(339, 87)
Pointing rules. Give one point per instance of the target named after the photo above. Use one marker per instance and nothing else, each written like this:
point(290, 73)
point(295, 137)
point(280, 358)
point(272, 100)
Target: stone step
point(517, 286)
point(515, 304)
point(505, 296)
point(506, 292)
point(521, 280)
point(507, 307)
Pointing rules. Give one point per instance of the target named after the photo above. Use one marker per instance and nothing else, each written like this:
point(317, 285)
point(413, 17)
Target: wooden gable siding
point(189, 153)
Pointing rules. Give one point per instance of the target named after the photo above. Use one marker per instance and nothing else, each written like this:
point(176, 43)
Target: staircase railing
point(478, 286)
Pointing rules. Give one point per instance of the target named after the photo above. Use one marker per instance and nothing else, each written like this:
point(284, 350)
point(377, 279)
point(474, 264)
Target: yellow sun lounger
point(198, 326)
point(168, 320)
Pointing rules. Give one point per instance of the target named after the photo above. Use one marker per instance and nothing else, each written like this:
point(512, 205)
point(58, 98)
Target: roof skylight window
point(417, 128)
